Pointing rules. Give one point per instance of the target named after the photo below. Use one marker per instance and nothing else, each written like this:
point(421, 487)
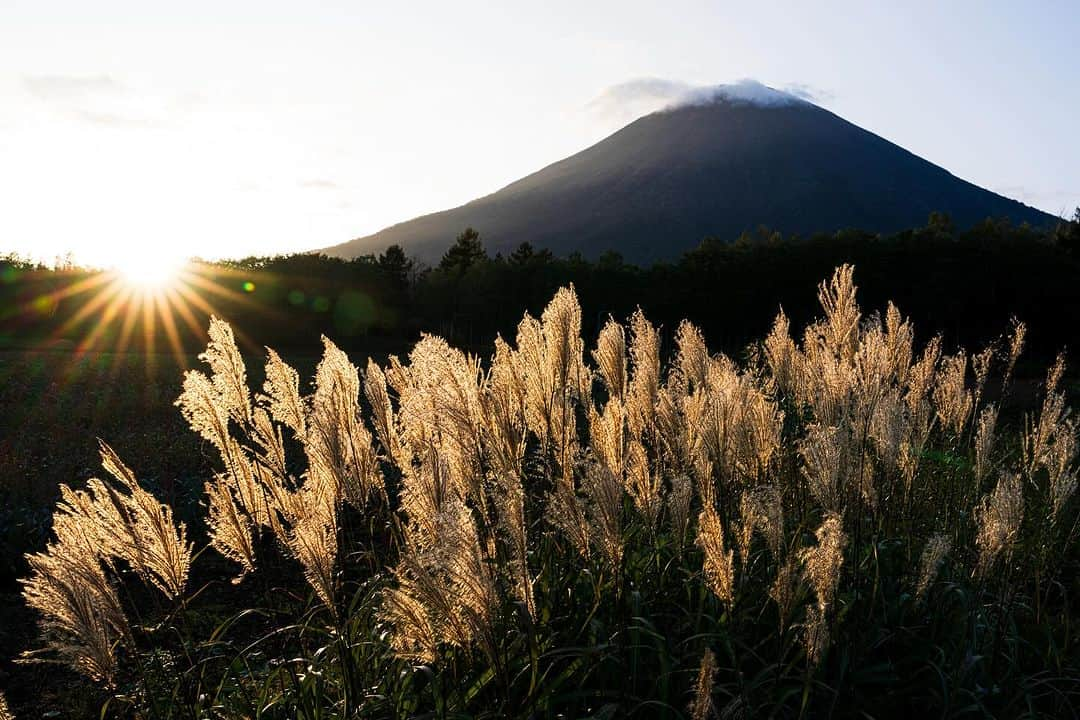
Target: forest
point(964, 284)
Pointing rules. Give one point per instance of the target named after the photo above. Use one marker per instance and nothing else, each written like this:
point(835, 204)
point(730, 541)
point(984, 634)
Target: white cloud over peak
point(641, 96)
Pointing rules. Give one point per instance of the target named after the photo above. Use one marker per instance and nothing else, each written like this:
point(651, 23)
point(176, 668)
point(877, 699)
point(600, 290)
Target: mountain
point(717, 165)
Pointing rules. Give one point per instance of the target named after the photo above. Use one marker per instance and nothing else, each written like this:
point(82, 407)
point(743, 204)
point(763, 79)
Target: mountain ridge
point(713, 166)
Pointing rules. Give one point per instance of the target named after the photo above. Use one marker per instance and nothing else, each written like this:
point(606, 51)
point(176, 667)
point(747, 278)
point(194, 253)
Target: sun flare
point(149, 272)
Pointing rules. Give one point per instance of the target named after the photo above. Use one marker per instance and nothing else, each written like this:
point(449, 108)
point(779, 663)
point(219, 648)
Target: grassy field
point(836, 523)
point(54, 403)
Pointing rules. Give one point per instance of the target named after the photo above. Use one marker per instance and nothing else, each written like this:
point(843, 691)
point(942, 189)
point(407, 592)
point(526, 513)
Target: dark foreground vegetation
point(839, 525)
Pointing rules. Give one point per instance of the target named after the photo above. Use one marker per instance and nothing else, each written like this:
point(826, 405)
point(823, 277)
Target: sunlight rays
point(146, 306)
point(150, 273)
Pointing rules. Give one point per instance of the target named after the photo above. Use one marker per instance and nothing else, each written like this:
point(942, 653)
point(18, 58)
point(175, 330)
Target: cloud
point(748, 91)
point(642, 89)
point(810, 93)
point(319, 184)
point(637, 97)
point(65, 87)
point(97, 100)
point(642, 96)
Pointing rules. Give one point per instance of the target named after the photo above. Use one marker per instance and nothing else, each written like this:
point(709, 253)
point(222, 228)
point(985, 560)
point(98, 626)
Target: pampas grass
point(506, 526)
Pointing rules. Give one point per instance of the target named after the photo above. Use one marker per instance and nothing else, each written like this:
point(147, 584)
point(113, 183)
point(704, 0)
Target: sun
point(149, 272)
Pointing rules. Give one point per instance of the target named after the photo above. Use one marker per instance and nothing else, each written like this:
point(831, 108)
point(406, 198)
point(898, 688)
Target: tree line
point(965, 284)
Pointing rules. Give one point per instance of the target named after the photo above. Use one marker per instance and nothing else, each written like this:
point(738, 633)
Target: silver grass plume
point(503, 415)
point(998, 518)
point(920, 412)
point(642, 484)
point(890, 430)
point(781, 354)
point(505, 377)
point(821, 568)
point(610, 357)
point(899, 339)
point(937, 548)
point(607, 436)
point(1016, 346)
point(703, 477)
point(468, 568)
point(562, 342)
point(917, 394)
point(549, 358)
point(282, 393)
point(719, 418)
point(921, 378)
point(952, 400)
point(82, 619)
point(837, 298)
point(980, 365)
point(81, 615)
point(270, 445)
point(826, 379)
point(826, 455)
point(445, 594)
point(1061, 469)
point(382, 412)
point(821, 563)
point(719, 566)
point(250, 484)
point(744, 530)
point(567, 512)
point(985, 437)
point(761, 510)
point(428, 488)
point(338, 445)
point(228, 371)
point(313, 542)
point(540, 392)
point(691, 413)
point(691, 357)
point(448, 403)
point(407, 608)
point(678, 503)
point(603, 491)
point(1053, 420)
point(230, 528)
point(702, 706)
point(204, 410)
point(149, 540)
point(504, 443)
point(644, 374)
point(760, 429)
point(674, 436)
point(783, 589)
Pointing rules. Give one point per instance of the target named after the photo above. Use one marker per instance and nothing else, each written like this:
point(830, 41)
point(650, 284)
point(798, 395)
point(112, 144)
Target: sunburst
point(150, 274)
point(162, 298)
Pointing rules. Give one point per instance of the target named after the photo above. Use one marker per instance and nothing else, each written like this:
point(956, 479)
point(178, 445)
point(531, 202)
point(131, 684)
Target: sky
point(224, 129)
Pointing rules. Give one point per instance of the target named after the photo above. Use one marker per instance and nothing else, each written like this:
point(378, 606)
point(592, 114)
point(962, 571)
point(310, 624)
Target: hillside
point(718, 167)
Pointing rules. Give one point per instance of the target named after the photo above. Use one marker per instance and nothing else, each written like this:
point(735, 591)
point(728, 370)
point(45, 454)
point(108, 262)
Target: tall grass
point(834, 521)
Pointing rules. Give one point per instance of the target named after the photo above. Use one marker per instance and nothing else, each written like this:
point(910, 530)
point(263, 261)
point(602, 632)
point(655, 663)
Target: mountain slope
point(657, 187)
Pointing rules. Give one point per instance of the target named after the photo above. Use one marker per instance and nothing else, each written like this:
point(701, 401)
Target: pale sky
point(229, 128)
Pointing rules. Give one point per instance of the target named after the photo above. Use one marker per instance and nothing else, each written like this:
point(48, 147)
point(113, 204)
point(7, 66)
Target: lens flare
point(150, 272)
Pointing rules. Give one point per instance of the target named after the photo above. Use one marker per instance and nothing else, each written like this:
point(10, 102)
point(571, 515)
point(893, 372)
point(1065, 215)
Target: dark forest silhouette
point(965, 285)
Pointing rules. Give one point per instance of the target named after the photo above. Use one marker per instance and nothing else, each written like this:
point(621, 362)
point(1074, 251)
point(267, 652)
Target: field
point(838, 521)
